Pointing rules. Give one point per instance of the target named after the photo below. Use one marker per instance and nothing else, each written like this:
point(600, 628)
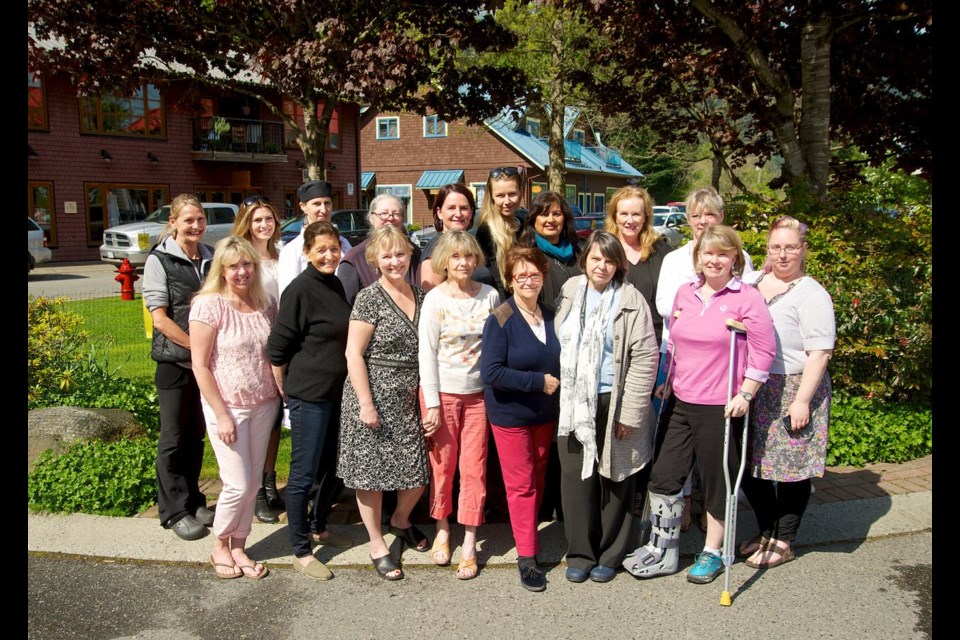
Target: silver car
point(669, 222)
point(37, 250)
point(133, 241)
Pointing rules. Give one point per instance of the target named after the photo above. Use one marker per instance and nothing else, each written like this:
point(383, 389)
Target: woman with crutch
point(696, 411)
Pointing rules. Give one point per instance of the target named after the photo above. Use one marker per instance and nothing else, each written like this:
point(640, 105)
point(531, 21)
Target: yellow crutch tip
point(725, 599)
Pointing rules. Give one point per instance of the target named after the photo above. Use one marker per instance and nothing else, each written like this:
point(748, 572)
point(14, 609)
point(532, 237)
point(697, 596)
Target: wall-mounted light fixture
point(32, 153)
point(105, 155)
point(152, 158)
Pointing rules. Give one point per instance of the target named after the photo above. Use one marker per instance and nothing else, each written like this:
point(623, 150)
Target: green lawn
point(121, 323)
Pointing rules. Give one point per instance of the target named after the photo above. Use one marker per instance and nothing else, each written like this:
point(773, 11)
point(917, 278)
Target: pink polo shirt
point(701, 341)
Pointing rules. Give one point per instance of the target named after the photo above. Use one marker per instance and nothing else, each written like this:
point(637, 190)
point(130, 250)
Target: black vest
point(182, 283)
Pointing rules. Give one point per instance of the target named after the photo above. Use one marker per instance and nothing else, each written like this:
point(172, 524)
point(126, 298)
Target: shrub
point(111, 479)
point(66, 367)
point(874, 257)
point(866, 430)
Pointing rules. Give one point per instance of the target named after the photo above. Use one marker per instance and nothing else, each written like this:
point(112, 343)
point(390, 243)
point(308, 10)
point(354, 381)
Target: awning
point(436, 179)
point(366, 178)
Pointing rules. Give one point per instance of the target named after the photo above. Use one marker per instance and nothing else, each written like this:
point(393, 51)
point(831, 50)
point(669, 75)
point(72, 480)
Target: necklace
point(532, 314)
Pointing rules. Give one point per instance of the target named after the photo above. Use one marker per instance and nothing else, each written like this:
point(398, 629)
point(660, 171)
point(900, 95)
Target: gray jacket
point(635, 360)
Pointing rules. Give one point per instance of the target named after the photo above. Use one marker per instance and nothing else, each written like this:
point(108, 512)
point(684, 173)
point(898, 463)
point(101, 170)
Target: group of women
point(554, 346)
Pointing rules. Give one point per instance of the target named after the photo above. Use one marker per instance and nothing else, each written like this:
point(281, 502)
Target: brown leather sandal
point(749, 547)
point(776, 553)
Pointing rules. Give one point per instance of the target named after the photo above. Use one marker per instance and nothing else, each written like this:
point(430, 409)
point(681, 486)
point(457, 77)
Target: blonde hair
point(231, 250)
point(648, 237)
point(706, 198)
point(720, 237)
point(242, 225)
point(386, 238)
point(501, 232)
point(178, 204)
point(791, 224)
point(452, 242)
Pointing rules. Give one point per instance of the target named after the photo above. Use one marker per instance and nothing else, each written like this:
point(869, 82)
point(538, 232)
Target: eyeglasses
point(386, 215)
point(504, 171)
point(249, 200)
point(528, 277)
point(791, 249)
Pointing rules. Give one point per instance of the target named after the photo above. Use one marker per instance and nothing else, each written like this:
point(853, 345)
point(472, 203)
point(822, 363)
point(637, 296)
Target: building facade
point(411, 156)
point(95, 162)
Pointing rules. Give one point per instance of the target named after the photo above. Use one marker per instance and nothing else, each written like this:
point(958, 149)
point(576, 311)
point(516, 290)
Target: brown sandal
point(749, 547)
point(470, 566)
point(776, 553)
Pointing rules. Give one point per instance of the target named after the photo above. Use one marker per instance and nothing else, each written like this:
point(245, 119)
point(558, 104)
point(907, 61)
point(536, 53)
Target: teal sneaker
point(706, 568)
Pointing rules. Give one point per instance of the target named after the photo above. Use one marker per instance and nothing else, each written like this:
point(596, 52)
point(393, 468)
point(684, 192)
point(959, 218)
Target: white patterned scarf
point(581, 348)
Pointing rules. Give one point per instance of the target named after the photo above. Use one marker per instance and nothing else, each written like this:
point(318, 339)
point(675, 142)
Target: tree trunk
point(815, 108)
point(313, 138)
point(558, 105)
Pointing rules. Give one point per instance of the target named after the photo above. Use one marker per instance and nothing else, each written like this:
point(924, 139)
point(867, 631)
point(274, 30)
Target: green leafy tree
point(555, 49)
point(394, 55)
point(796, 80)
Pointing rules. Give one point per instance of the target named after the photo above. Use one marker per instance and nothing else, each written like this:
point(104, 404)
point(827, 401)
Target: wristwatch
point(747, 395)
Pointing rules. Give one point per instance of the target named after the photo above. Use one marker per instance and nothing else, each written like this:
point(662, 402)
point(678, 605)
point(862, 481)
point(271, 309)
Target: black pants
point(779, 506)
point(695, 429)
point(328, 485)
point(180, 446)
point(597, 512)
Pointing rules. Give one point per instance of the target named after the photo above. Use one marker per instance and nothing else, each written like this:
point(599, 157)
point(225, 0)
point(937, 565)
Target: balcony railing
point(238, 135)
point(572, 150)
point(609, 156)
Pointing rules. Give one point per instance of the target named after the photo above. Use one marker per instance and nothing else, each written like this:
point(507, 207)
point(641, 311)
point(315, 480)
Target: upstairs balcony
point(610, 157)
point(220, 139)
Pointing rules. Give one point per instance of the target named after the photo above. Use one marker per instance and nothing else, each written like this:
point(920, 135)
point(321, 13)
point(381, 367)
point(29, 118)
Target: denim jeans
point(309, 426)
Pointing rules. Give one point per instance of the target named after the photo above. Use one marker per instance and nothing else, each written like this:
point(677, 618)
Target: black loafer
point(204, 516)
point(532, 579)
point(187, 528)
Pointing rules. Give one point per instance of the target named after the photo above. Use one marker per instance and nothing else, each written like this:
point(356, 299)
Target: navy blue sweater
point(512, 364)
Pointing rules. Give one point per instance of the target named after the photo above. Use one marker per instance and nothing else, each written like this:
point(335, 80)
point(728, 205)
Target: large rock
point(57, 428)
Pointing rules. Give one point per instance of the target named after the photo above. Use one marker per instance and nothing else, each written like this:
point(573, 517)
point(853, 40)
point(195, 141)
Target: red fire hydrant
point(126, 276)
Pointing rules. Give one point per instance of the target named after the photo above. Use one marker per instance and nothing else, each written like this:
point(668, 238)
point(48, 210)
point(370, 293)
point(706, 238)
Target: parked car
point(681, 206)
point(37, 250)
point(669, 224)
point(352, 224)
point(422, 237)
point(585, 225)
point(135, 240)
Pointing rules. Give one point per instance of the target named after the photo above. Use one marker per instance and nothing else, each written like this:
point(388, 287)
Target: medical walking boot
point(661, 555)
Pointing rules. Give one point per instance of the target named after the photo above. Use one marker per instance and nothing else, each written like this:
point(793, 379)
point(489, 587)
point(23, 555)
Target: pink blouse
point(239, 360)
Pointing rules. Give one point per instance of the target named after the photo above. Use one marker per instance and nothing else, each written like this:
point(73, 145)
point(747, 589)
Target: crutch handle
point(736, 325)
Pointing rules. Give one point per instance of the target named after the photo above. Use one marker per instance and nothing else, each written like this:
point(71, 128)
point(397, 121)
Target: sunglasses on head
point(504, 171)
point(249, 200)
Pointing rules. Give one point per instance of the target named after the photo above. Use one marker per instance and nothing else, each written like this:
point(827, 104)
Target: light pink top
point(239, 360)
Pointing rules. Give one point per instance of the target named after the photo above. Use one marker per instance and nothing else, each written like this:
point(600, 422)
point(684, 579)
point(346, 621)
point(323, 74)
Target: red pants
point(460, 440)
point(523, 455)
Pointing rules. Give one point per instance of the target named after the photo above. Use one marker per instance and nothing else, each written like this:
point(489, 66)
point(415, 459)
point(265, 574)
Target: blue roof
point(436, 179)
point(580, 158)
point(366, 178)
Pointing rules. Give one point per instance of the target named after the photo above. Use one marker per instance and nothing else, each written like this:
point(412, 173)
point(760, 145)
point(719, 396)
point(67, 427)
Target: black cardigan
point(310, 336)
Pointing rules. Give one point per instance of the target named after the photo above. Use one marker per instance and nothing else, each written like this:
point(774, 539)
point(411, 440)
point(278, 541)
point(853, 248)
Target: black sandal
point(413, 537)
point(385, 566)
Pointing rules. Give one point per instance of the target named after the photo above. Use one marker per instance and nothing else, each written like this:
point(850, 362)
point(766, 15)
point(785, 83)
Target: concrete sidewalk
point(848, 505)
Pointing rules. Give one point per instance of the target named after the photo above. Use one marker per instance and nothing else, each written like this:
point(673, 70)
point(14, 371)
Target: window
point(579, 136)
point(479, 190)
point(533, 127)
point(598, 202)
point(401, 191)
point(295, 111)
point(388, 128)
point(570, 193)
point(434, 127)
point(610, 192)
point(140, 115)
point(111, 205)
point(36, 102)
point(583, 201)
point(291, 203)
point(40, 208)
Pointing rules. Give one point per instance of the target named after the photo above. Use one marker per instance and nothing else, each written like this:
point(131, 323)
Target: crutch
point(730, 511)
point(645, 514)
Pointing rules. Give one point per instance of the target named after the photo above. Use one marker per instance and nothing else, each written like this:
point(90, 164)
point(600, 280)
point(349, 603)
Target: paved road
point(76, 280)
point(859, 590)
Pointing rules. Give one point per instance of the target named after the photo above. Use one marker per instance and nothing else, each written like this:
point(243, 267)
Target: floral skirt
point(779, 454)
